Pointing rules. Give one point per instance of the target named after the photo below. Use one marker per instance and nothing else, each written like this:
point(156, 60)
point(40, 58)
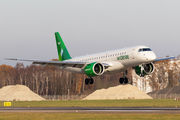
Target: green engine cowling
point(145, 69)
point(94, 69)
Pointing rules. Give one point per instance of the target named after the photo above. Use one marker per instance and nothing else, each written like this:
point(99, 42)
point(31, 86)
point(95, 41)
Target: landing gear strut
point(89, 81)
point(124, 79)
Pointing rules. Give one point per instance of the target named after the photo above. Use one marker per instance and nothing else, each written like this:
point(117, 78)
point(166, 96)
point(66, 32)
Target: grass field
point(98, 103)
point(93, 116)
point(87, 116)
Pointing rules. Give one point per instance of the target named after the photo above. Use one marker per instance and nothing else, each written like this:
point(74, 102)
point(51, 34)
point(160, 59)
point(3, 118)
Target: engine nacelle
point(145, 69)
point(94, 69)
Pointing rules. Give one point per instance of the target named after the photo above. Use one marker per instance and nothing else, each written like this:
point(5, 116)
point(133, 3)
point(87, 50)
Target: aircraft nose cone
point(152, 57)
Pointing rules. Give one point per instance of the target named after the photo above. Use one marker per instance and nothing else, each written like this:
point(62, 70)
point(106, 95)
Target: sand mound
point(18, 93)
point(118, 92)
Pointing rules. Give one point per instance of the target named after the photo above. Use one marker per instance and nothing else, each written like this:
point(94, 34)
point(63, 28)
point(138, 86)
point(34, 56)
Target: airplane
point(140, 58)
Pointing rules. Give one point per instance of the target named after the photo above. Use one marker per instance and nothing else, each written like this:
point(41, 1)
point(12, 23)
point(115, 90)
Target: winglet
point(61, 48)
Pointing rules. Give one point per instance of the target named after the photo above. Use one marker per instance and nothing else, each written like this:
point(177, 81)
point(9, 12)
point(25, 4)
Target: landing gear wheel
point(91, 81)
point(125, 80)
point(86, 81)
point(121, 80)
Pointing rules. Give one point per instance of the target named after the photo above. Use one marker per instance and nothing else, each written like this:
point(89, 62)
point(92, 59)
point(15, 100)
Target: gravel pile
point(18, 93)
point(118, 92)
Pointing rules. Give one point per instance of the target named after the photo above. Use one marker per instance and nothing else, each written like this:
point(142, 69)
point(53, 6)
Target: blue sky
point(87, 26)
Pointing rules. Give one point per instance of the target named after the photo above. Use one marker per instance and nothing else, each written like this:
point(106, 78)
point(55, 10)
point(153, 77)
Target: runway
point(89, 110)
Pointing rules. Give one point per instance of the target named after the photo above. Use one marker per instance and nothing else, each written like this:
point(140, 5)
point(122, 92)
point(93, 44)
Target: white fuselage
point(117, 60)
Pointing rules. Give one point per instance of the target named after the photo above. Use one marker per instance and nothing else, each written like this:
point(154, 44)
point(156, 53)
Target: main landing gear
point(89, 81)
point(124, 79)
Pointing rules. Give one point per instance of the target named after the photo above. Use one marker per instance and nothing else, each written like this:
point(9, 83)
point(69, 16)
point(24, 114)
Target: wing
point(166, 58)
point(55, 63)
point(62, 64)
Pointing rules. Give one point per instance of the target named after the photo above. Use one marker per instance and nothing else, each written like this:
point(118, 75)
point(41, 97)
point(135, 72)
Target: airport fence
point(64, 97)
point(80, 97)
point(164, 96)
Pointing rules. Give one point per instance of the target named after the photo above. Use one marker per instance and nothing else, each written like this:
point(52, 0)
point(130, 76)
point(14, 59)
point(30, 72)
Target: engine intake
point(145, 69)
point(148, 68)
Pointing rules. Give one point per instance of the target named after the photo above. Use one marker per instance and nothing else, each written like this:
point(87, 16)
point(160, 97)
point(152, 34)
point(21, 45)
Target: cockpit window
point(140, 50)
point(147, 49)
point(144, 49)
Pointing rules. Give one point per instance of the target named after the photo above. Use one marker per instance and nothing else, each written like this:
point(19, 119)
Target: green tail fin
point(61, 48)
